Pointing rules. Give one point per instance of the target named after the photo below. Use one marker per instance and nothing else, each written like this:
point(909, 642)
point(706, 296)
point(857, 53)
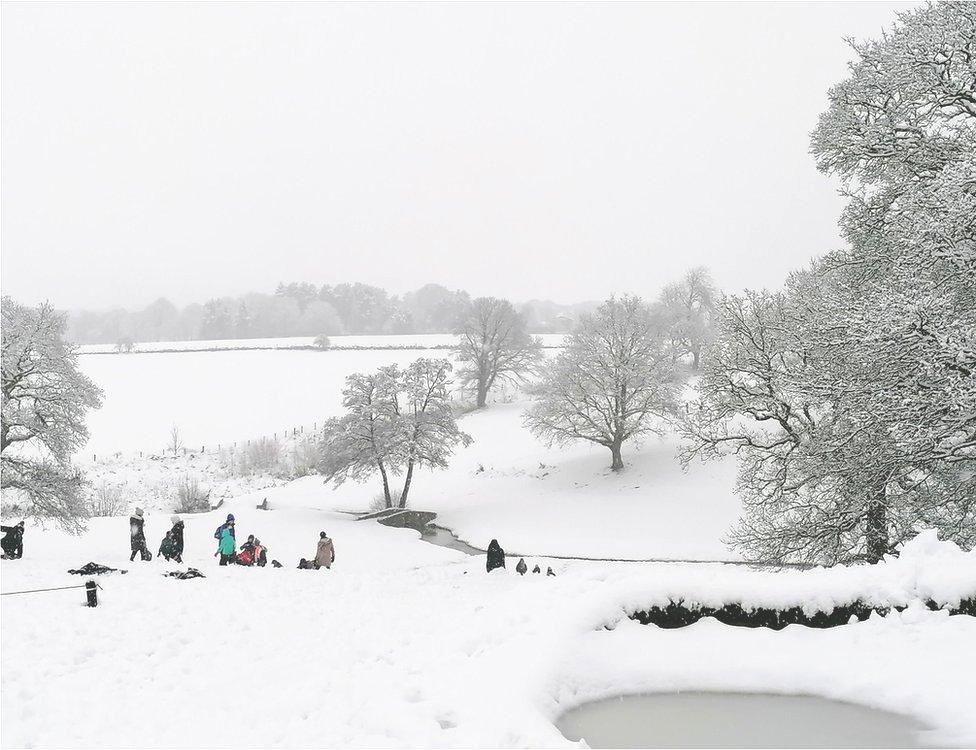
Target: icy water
point(444, 538)
point(737, 720)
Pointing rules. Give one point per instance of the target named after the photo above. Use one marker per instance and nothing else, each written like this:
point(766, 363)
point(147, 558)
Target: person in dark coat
point(521, 568)
point(496, 556)
point(177, 532)
point(536, 569)
point(137, 537)
point(13, 543)
point(167, 548)
point(228, 524)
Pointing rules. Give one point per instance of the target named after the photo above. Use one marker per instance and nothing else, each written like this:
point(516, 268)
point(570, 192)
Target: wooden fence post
point(92, 593)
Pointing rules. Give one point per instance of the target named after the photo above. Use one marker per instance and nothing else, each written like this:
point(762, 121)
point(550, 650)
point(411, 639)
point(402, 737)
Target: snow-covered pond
point(752, 720)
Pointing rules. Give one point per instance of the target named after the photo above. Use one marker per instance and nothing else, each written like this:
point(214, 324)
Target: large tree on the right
point(850, 396)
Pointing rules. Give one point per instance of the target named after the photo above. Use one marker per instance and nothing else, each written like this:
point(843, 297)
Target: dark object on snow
point(91, 593)
point(260, 554)
point(167, 548)
point(137, 537)
point(177, 532)
point(185, 575)
point(13, 543)
point(536, 569)
point(304, 564)
point(549, 572)
point(94, 569)
point(496, 556)
point(521, 568)
point(246, 555)
point(263, 505)
point(276, 564)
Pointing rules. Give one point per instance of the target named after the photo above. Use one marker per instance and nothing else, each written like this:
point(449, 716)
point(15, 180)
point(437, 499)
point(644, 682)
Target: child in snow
point(496, 556)
point(167, 548)
point(325, 553)
point(260, 554)
point(228, 524)
point(246, 555)
point(226, 547)
point(137, 537)
point(13, 543)
point(177, 532)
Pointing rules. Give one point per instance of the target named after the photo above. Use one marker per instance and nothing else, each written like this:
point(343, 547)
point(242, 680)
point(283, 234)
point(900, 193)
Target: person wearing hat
point(325, 553)
point(228, 524)
point(177, 532)
point(137, 537)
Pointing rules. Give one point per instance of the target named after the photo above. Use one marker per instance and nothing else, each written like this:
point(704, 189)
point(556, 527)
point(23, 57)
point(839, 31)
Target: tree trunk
point(482, 392)
point(618, 461)
point(697, 356)
point(876, 524)
point(386, 484)
point(406, 485)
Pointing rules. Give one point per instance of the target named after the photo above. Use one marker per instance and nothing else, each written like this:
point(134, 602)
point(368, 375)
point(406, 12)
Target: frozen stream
point(737, 720)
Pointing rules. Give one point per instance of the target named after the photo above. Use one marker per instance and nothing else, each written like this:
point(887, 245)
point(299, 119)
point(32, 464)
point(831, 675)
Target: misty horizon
point(526, 152)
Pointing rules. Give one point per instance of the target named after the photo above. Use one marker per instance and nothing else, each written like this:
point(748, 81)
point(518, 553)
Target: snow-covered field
point(417, 340)
point(406, 644)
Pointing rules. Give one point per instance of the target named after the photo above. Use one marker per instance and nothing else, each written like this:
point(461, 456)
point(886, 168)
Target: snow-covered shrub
point(190, 496)
point(108, 499)
point(263, 456)
point(304, 457)
point(322, 342)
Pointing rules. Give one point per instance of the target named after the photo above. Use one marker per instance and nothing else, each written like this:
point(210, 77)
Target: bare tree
point(494, 346)
point(175, 441)
point(687, 308)
point(396, 420)
point(609, 382)
point(45, 400)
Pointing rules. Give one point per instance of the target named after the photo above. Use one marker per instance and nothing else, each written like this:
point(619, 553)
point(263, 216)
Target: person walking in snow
point(13, 541)
point(177, 532)
point(226, 546)
point(137, 537)
point(325, 553)
point(496, 556)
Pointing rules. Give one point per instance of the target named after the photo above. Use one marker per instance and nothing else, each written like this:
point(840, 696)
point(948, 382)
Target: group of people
point(171, 548)
point(496, 559)
point(252, 552)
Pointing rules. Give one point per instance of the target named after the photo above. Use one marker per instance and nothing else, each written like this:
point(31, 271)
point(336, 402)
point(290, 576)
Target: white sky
point(554, 151)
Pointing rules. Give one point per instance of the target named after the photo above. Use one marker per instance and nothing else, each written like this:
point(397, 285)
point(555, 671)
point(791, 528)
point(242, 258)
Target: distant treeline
point(302, 309)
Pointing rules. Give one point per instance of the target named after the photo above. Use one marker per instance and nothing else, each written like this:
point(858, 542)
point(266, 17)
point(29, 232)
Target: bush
point(305, 457)
point(190, 496)
point(107, 500)
point(322, 342)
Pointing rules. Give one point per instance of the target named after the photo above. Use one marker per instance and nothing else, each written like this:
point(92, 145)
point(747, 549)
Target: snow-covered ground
point(418, 340)
point(406, 644)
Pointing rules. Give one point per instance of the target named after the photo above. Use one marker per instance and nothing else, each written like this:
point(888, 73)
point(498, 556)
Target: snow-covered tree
point(610, 382)
point(397, 420)
point(850, 398)
point(45, 400)
point(494, 346)
point(364, 440)
point(687, 307)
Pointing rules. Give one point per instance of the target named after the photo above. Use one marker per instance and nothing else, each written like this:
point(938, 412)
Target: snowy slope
point(407, 644)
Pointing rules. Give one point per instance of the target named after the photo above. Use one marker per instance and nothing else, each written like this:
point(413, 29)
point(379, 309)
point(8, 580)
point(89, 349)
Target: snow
point(417, 340)
point(404, 643)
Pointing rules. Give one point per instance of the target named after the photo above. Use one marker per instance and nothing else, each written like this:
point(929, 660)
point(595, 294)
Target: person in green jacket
point(226, 547)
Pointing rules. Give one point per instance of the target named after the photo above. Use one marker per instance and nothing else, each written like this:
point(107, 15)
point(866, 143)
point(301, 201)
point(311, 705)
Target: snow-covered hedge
point(936, 573)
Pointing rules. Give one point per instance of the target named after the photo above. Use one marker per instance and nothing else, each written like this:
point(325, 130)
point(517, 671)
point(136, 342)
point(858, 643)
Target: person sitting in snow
point(496, 556)
point(167, 548)
point(13, 541)
point(246, 555)
point(137, 537)
point(325, 553)
point(260, 554)
point(226, 547)
point(177, 532)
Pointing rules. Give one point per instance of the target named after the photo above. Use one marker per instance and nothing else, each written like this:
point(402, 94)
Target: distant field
point(418, 340)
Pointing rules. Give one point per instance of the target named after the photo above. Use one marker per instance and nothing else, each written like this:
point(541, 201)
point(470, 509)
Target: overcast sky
point(528, 151)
